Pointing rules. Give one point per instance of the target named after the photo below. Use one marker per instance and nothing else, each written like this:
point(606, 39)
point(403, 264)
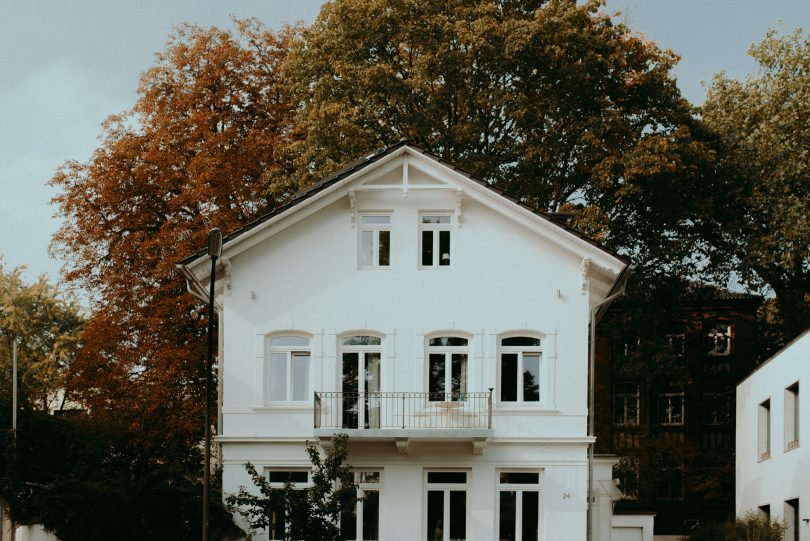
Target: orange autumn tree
point(200, 148)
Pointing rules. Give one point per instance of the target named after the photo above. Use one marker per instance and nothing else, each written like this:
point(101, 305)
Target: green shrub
point(753, 526)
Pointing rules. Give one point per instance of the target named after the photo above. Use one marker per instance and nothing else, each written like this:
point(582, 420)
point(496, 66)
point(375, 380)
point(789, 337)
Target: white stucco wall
point(786, 474)
point(503, 279)
point(633, 527)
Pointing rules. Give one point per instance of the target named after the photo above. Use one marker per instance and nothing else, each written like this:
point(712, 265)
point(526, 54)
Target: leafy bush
point(311, 514)
point(753, 526)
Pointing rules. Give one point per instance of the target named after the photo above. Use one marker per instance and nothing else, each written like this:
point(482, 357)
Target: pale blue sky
point(67, 65)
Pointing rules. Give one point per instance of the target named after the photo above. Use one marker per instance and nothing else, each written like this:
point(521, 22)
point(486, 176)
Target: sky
point(66, 66)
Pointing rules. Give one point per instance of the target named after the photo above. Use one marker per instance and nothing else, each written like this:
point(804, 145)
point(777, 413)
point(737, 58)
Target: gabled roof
point(358, 165)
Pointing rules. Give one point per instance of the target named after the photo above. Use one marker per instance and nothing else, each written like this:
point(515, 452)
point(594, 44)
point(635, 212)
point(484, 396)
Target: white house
point(773, 463)
point(440, 323)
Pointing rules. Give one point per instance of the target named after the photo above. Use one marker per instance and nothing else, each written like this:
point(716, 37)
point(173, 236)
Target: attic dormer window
point(434, 240)
point(375, 241)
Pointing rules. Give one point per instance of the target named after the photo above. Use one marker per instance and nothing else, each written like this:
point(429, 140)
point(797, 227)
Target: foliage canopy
point(763, 123)
point(198, 149)
point(47, 324)
point(68, 474)
point(551, 101)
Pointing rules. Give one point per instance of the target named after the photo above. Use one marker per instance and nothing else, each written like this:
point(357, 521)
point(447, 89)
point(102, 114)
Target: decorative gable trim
point(376, 165)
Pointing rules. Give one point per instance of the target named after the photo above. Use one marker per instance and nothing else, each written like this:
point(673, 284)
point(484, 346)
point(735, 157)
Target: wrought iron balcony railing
point(370, 411)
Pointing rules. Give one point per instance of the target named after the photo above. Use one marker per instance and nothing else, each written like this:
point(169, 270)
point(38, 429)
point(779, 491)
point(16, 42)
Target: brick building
point(665, 405)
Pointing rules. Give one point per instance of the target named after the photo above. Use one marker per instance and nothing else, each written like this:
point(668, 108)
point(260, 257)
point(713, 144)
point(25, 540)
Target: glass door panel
point(372, 389)
point(350, 389)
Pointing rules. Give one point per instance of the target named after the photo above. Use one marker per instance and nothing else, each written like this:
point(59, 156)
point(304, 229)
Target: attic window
point(719, 337)
point(374, 241)
point(434, 240)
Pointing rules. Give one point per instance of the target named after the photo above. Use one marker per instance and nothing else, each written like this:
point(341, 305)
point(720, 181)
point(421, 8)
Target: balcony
point(405, 416)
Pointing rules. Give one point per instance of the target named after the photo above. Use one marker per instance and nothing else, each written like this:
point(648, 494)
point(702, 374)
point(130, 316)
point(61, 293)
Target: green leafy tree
point(550, 100)
point(310, 514)
point(46, 323)
point(69, 474)
point(763, 122)
point(198, 149)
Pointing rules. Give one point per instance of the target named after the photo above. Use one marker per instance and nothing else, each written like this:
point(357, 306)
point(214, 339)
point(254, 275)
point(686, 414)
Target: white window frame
point(361, 351)
point(518, 488)
point(633, 396)
point(542, 370)
point(446, 488)
point(436, 228)
point(669, 419)
point(362, 488)
point(727, 335)
point(723, 403)
point(792, 519)
point(290, 352)
point(375, 230)
point(792, 416)
point(764, 430)
point(277, 485)
point(628, 463)
point(448, 352)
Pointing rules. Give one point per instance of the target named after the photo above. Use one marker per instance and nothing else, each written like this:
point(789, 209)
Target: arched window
point(360, 356)
point(286, 372)
point(520, 365)
point(447, 368)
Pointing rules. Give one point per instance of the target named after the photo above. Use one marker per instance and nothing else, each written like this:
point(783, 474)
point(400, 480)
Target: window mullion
point(375, 247)
point(288, 394)
point(518, 514)
point(520, 385)
point(361, 388)
point(359, 520)
point(446, 515)
point(436, 254)
point(448, 374)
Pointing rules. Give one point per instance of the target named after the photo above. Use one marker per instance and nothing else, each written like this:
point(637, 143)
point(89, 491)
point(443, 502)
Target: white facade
point(773, 458)
point(414, 395)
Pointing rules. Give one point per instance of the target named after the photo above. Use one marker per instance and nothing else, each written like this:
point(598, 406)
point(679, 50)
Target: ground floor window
point(446, 506)
point(362, 522)
point(518, 506)
point(791, 518)
point(278, 479)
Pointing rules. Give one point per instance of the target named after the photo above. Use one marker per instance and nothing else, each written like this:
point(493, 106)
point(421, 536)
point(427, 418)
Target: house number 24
point(566, 495)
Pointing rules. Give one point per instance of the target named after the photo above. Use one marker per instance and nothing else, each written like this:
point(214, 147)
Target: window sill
point(791, 445)
point(288, 407)
point(523, 410)
point(764, 456)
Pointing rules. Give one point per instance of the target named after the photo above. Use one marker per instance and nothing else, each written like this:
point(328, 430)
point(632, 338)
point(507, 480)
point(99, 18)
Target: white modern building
point(441, 324)
point(773, 463)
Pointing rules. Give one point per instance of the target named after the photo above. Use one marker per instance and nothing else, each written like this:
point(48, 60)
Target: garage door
point(625, 534)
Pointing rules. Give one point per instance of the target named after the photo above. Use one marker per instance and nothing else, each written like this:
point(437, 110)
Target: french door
point(361, 389)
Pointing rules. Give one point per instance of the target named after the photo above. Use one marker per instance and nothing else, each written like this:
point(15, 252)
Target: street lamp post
point(14, 392)
point(214, 251)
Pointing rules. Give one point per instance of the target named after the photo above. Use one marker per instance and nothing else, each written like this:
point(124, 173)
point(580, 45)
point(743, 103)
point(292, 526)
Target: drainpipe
point(620, 283)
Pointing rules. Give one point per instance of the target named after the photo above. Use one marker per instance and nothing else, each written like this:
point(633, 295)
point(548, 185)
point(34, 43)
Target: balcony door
point(360, 371)
point(447, 368)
